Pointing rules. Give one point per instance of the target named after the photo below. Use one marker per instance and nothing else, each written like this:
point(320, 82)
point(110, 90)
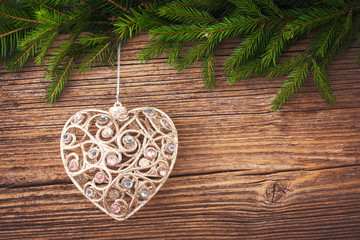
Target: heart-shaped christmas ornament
point(119, 159)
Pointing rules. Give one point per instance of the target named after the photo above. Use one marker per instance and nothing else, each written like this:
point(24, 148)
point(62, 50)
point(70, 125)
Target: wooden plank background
point(242, 172)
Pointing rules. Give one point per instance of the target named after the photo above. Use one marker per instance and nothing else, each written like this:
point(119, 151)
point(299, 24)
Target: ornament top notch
point(119, 112)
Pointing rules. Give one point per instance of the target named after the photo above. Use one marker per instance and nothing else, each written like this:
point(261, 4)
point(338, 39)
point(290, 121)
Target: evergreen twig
point(267, 28)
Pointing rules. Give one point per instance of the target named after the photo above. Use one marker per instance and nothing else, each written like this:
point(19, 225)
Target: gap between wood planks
point(173, 176)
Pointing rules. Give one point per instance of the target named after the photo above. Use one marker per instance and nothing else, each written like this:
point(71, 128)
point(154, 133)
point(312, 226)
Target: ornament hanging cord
point(118, 75)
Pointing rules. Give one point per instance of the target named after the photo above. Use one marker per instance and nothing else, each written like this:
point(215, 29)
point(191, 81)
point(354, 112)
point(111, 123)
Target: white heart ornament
point(119, 159)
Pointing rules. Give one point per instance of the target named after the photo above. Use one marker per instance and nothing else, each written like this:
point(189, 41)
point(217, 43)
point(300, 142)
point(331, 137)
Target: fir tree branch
point(248, 6)
point(54, 92)
point(21, 19)
point(40, 58)
point(59, 55)
point(48, 18)
point(34, 36)
point(9, 41)
point(98, 55)
point(235, 27)
point(48, 7)
point(208, 71)
point(121, 7)
point(24, 54)
point(187, 15)
point(325, 39)
point(273, 9)
point(177, 33)
point(174, 54)
point(291, 85)
point(94, 39)
point(322, 83)
point(64, 49)
point(20, 60)
point(209, 5)
point(111, 56)
point(153, 50)
point(195, 54)
point(247, 50)
point(276, 46)
point(267, 27)
point(13, 31)
point(245, 71)
point(339, 39)
point(286, 66)
point(128, 26)
point(306, 22)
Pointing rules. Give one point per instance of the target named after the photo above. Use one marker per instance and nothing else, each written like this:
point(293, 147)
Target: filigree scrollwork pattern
point(119, 159)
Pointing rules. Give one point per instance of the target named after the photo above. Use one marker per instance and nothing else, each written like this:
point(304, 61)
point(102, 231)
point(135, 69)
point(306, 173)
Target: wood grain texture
point(242, 172)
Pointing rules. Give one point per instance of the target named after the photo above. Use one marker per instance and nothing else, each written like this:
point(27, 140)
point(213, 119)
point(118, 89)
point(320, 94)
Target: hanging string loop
point(118, 76)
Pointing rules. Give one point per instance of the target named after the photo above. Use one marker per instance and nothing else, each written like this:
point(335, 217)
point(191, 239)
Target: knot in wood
point(275, 192)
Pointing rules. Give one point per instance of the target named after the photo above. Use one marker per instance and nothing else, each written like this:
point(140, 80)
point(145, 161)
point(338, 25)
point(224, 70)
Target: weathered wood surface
point(243, 172)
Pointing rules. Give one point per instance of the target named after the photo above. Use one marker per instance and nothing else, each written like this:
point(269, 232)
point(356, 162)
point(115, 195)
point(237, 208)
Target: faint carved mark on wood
point(276, 191)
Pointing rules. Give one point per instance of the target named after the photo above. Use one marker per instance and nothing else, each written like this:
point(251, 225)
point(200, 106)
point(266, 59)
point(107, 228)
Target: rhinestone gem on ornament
point(127, 183)
point(78, 117)
point(107, 132)
point(115, 208)
point(162, 171)
point(144, 162)
point(150, 153)
point(73, 165)
point(99, 177)
point(144, 192)
point(128, 139)
point(66, 137)
point(93, 153)
point(171, 147)
point(103, 118)
point(112, 160)
point(89, 191)
point(114, 194)
point(166, 124)
point(149, 111)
